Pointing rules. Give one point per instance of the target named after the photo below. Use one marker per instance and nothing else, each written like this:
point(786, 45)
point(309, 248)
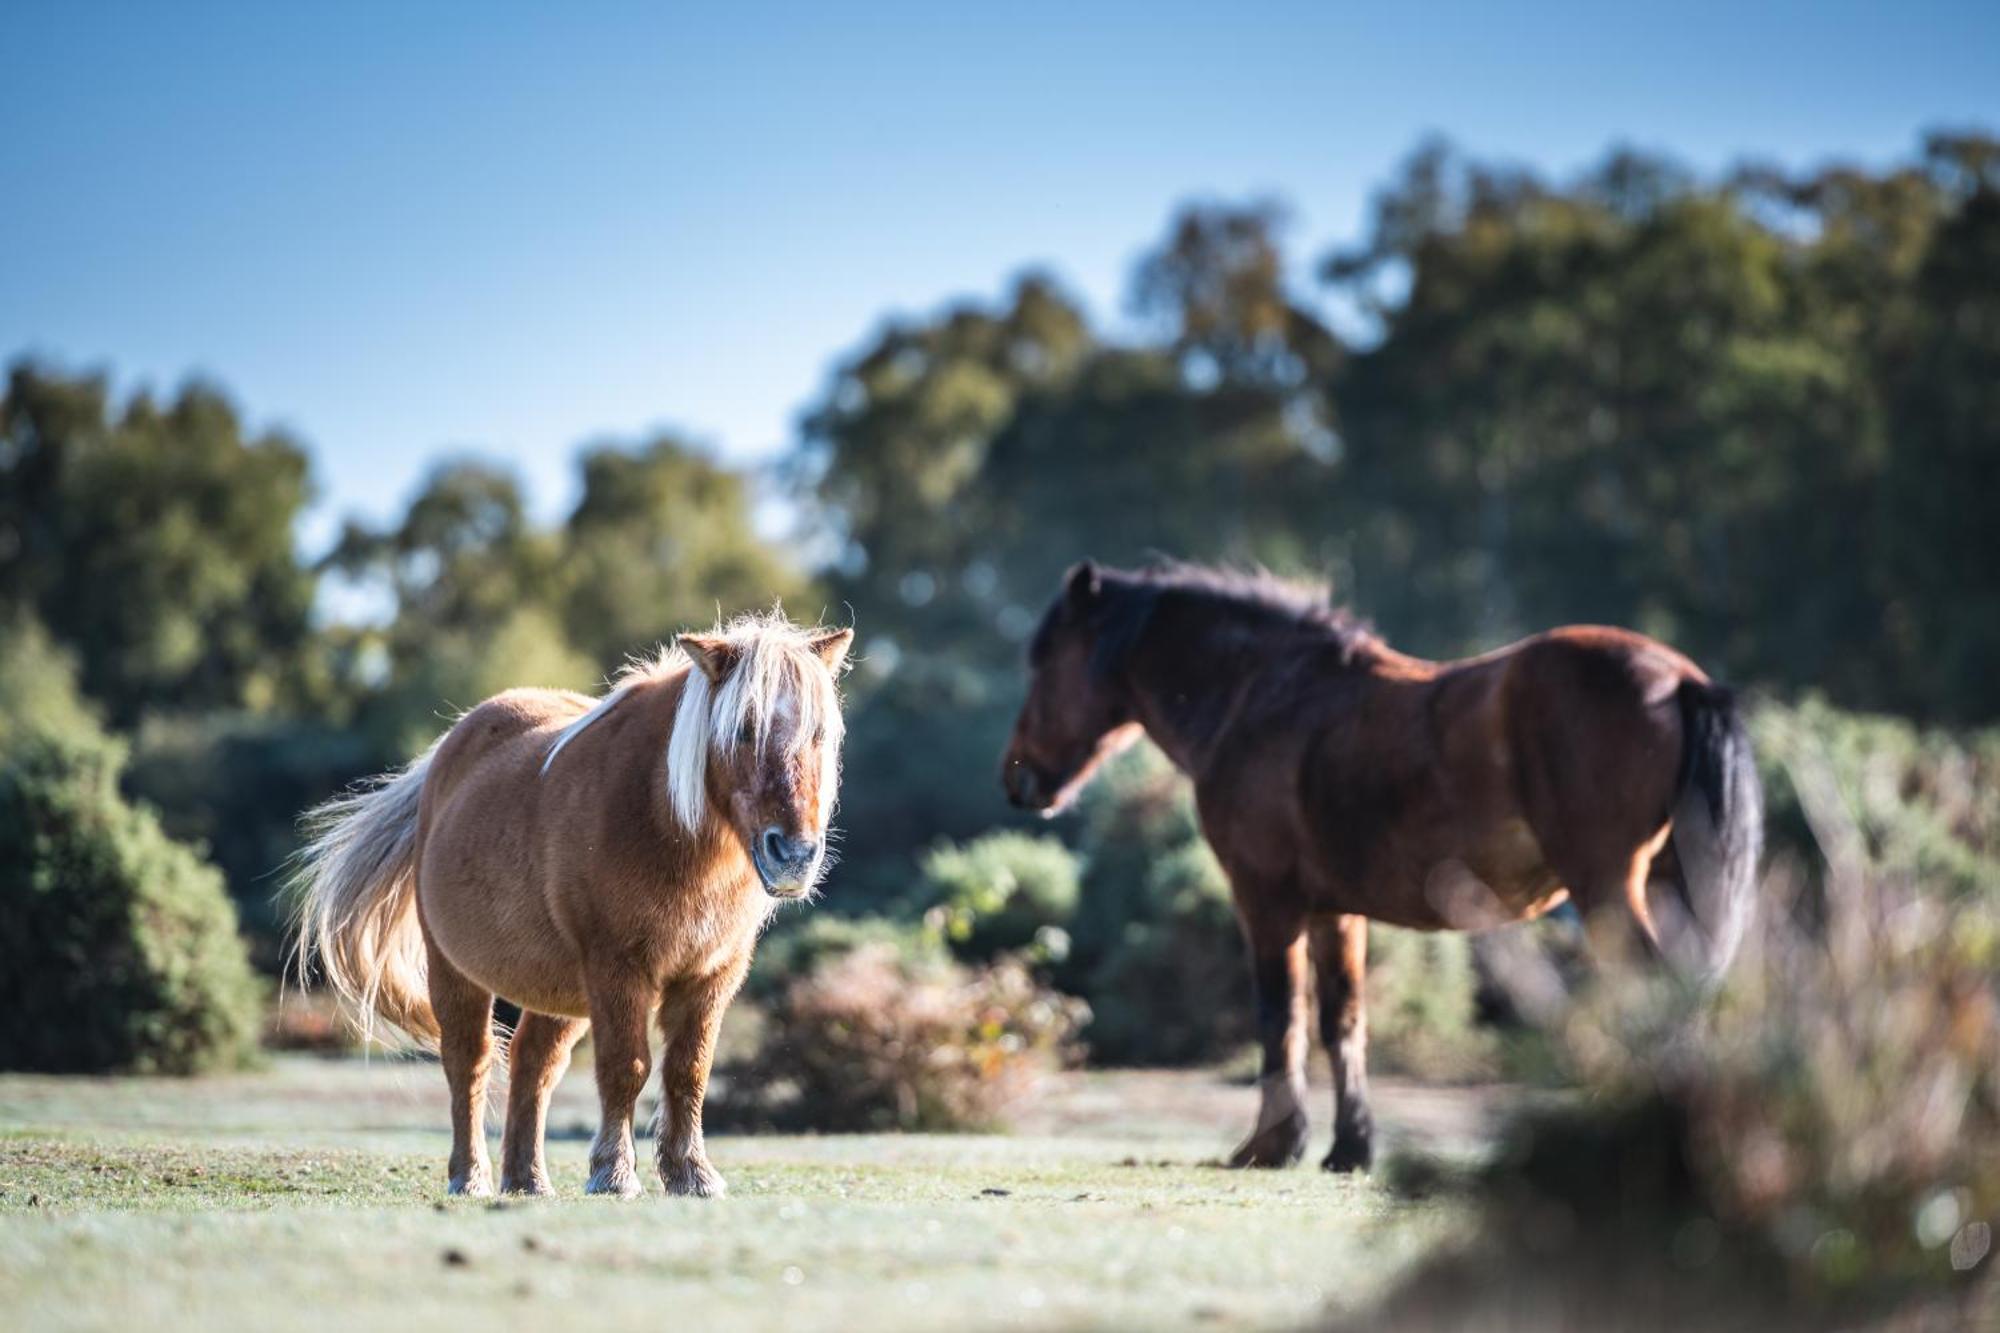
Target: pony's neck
point(1188, 688)
point(1184, 712)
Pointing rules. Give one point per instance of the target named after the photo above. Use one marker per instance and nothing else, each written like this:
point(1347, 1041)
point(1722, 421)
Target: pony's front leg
point(1340, 960)
point(1278, 972)
point(536, 1061)
point(690, 1019)
point(618, 1010)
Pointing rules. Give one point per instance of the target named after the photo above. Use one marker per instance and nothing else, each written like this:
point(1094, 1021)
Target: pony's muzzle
point(1022, 785)
point(1029, 789)
point(784, 863)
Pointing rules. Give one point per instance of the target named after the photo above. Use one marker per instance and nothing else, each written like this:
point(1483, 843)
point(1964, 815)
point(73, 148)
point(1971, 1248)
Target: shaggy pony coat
point(600, 863)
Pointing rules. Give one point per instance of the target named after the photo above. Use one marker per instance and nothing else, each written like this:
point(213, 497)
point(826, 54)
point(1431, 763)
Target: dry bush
point(880, 1038)
point(310, 1022)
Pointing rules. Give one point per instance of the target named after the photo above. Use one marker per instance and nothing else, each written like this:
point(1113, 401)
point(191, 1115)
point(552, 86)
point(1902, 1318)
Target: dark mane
point(1283, 602)
point(1255, 598)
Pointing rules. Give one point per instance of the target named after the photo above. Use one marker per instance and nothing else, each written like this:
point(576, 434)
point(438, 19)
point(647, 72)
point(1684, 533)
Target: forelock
point(775, 673)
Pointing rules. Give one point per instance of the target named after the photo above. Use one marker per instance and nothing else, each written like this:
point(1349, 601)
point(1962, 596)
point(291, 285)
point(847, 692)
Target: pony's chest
point(700, 933)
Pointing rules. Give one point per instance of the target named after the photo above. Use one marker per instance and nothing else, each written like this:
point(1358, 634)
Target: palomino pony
point(1339, 780)
point(597, 862)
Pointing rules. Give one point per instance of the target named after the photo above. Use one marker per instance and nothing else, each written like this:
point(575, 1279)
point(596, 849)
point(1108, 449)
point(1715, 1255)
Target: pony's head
point(1078, 712)
point(756, 742)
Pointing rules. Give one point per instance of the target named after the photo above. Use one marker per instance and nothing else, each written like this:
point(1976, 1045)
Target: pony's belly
point(529, 963)
point(1448, 884)
point(519, 953)
point(1517, 872)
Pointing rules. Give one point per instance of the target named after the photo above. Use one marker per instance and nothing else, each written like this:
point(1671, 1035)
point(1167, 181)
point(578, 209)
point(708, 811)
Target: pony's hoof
point(1350, 1155)
point(531, 1187)
point(693, 1179)
point(615, 1182)
point(1283, 1144)
point(473, 1185)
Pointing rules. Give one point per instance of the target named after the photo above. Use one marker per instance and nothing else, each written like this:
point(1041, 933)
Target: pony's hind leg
point(690, 1017)
point(465, 1047)
point(1617, 913)
point(536, 1060)
point(1340, 959)
point(618, 1011)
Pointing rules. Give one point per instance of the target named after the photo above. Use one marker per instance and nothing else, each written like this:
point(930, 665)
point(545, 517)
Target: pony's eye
point(746, 734)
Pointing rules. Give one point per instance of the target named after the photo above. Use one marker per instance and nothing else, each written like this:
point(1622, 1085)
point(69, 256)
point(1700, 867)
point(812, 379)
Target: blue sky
point(400, 230)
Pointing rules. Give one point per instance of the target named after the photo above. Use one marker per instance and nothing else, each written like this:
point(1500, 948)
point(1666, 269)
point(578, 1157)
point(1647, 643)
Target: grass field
point(310, 1195)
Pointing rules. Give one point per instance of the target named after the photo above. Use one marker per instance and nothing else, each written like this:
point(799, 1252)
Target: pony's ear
point(712, 653)
point(1083, 583)
point(832, 646)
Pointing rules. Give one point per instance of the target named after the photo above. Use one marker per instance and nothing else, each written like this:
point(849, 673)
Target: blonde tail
point(355, 885)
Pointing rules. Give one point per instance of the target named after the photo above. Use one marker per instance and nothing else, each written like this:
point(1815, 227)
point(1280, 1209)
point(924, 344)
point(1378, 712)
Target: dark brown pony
point(1339, 780)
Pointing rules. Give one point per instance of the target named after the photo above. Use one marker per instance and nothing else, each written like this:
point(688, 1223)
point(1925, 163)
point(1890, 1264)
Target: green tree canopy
point(660, 540)
point(1693, 408)
point(155, 541)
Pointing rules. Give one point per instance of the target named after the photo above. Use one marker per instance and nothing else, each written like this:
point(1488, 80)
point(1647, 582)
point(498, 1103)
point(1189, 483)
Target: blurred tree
point(1752, 416)
point(895, 453)
point(485, 600)
point(234, 785)
point(1216, 287)
point(473, 584)
point(891, 462)
point(1941, 486)
point(156, 542)
point(463, 559)
point(662, 540)
point(1643, 401)
point(962, 463)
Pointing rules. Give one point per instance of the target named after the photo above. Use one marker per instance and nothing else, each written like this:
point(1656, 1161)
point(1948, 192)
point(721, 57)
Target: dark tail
point(1718, 825)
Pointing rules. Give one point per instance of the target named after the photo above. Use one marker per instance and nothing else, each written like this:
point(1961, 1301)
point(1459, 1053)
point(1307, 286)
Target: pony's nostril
point(774, 847)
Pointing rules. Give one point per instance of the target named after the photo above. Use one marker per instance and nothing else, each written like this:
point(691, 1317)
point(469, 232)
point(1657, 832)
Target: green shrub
point(1137, 813)
point(887, 1034)
point(1910, 801)
point(118, 946)
point(1003, 893)
point(1423, 1002)
point(233, 784)
point(1175, 988)
point(802, 943)
point(38, 691)
point(1156, 948)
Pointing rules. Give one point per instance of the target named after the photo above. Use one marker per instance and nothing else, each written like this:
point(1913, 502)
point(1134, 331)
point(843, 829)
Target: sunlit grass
point(310, 1195)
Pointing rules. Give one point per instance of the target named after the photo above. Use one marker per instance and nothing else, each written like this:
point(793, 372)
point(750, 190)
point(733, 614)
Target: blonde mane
point(775, 669)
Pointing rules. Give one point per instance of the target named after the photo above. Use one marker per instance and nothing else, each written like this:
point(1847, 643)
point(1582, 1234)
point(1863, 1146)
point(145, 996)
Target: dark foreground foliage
point(1815, 1146)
